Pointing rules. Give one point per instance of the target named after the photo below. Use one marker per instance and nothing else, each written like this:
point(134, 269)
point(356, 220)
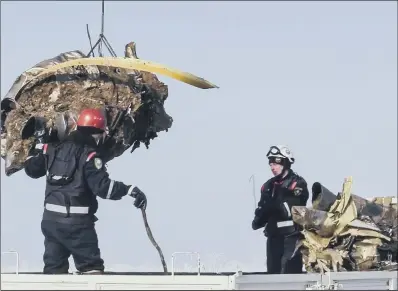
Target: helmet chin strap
point(99, 138)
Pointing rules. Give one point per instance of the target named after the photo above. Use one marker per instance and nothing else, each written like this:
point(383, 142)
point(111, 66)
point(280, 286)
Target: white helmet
point(280, 151)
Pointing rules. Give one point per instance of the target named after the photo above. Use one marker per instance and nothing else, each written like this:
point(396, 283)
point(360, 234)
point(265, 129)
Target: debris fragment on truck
point(50, 95)
point(346, 232)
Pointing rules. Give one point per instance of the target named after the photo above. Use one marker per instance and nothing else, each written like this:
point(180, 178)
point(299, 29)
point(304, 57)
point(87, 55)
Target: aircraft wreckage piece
point(45, 100)
point(345, 232)
point(382, 216)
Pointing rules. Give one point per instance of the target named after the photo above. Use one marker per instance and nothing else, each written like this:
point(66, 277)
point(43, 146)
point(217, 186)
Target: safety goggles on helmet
point(282, 152)
point(275, 151)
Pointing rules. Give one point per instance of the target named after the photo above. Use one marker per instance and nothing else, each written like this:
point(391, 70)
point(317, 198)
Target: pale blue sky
point(318, 76)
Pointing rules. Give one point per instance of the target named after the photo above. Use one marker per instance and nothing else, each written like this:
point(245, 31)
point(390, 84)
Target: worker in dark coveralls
point(278, 195)
point(75, 175)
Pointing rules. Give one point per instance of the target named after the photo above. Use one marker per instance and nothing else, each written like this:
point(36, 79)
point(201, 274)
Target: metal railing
point(185, 253)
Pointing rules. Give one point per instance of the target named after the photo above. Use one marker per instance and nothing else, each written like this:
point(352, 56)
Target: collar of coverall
point(81, 138)
point(280, 178)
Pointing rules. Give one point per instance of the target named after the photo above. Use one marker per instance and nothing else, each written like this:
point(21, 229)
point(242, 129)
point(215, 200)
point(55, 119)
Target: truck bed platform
point(375, 280)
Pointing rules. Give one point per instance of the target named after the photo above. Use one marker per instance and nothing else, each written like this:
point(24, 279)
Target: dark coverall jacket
point(274, 212)
point(75, 175)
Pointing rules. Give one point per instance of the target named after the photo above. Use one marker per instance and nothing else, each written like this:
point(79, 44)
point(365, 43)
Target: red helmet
point(93, 118)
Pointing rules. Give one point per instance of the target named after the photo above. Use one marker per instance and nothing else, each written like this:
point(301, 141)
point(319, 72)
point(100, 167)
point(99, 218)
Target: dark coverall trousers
point(279, 255)
point(62, 240)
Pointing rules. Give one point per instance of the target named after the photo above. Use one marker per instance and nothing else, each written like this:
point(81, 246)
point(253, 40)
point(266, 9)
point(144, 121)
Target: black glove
point(256, 223)
point(140, 198)
point(259, 211)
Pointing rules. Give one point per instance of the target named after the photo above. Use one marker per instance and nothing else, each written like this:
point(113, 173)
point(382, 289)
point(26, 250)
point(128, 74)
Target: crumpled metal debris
point(346, 232)
point(48, 97)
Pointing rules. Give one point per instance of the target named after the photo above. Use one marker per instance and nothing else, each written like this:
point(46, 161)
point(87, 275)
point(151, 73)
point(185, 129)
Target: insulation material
point(346, 232)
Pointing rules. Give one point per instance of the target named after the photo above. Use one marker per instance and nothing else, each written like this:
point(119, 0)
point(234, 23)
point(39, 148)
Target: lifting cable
point(103, 40)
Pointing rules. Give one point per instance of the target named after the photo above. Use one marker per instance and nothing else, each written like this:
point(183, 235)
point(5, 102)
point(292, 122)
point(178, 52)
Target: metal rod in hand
point(254, 190)
point(149, 233)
